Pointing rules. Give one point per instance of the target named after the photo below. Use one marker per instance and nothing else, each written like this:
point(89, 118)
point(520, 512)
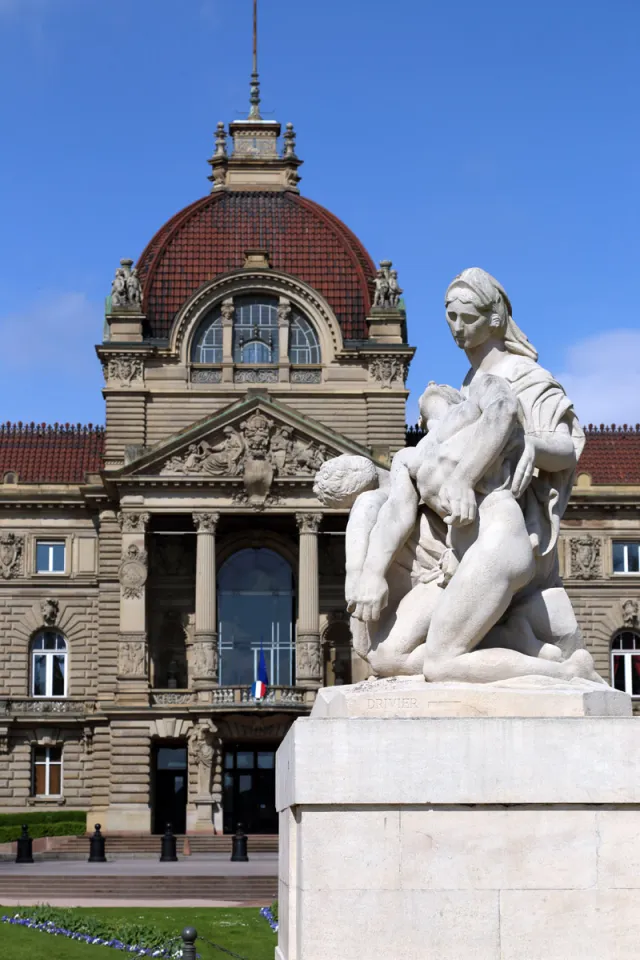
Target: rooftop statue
point(126, 289)
point(452, 557)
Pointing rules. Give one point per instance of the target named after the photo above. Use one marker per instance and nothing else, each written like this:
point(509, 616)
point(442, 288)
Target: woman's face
point(469, 326)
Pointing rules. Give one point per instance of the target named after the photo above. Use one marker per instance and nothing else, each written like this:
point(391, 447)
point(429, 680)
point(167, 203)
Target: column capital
point(206, 522)
point(133, 522)
point(308, 522)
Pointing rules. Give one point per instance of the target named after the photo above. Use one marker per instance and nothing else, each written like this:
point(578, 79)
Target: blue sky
point(500, 134)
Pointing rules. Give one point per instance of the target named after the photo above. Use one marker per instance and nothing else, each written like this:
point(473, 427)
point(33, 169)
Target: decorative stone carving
point(308, 659)
point(585, 557)
point(4, 739)
point(132, 658)
point(289, 138)
point(266, 375)
point(630, 612)
point(227, 311)
point(204, 660)
point(11, 546)
point(221, 141)
point(388, 291)
point(258, 451)
point(481, 543)
point(133, 572)
point(206, 376)
point(46, 706)
point(388, 370)
point(284, 313)
point(125, 369)
point(203, 742)
point(173, 699)
point(50, 610)
point(126, 290)
point(308, 522)
point(133, 522)
point(206, 522)
point(306, 376)
point(87, 741)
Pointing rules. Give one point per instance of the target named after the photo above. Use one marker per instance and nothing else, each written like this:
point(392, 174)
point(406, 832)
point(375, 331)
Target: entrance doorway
point(170, 787)
point(250, 788)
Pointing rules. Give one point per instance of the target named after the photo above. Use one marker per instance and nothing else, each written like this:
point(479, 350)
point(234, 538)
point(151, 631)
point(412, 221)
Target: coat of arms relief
point(258, 451)
point(11, 555)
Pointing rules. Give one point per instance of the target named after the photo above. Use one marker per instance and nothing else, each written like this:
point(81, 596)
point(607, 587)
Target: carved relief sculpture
point(50, 610)
point(124, 369)
point(308, 660)
point(388, 370)
point(388, 291)
point(133, 522)
point(585, 557)
point(204, 743)
point(204, 660)
point(132, 658)
point(630, 611)
point(133, 572)
point(11, 555)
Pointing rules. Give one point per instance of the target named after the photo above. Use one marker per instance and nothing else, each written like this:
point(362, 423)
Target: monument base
point(440, 837)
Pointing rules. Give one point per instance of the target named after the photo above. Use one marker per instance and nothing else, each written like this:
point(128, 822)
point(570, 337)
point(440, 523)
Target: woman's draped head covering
point(476, 286)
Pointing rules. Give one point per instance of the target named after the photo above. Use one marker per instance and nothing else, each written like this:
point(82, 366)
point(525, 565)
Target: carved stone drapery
point(132, 656)
point(11, 552)
point(133, 572)
point(133, 522)
point(124, 369)
point(205, 756)
point(388, 370)
point(585, 557)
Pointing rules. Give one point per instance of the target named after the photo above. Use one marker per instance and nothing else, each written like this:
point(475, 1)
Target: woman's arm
point(550, 451)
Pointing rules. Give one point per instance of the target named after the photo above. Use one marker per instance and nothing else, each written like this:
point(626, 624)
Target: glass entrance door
point(250, 788)
point(170, 788)
point(255, 606)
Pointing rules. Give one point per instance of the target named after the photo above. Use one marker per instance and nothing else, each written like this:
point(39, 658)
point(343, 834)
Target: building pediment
point(249, 445)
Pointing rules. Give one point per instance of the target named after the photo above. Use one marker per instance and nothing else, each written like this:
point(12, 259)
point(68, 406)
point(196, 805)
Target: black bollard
point(96, 847)
point(239, 845)
point(168, 846)
point(25, 847)
point(189, 937)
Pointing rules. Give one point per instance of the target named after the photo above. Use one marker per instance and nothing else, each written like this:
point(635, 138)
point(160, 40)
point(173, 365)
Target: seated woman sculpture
point(499, 470)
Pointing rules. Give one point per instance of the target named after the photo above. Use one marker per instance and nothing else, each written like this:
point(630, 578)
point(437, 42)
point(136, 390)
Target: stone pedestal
point(438, 833)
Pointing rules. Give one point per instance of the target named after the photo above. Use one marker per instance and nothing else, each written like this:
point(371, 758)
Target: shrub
point(43, 816)
point(73, 828)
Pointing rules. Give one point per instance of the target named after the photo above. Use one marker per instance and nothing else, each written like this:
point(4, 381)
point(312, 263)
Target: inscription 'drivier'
point(398, 703)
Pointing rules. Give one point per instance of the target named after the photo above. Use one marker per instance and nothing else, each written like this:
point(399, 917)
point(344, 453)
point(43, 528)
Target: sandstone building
point(145, 565)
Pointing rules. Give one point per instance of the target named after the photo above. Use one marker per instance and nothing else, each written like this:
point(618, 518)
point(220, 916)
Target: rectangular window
point(47, 771)
point(50, 556)
point(626, 557)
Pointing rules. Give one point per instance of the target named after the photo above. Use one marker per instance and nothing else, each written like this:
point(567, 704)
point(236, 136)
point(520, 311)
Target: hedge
point(72, 828)
point(43, 816)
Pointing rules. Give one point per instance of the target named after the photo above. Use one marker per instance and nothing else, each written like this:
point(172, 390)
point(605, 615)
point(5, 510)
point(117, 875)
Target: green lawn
point(240, 929)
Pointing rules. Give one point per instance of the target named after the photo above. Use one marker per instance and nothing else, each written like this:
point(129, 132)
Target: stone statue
point(388, 290)
point(126, 289)
point(452, 567)
point(202, 752)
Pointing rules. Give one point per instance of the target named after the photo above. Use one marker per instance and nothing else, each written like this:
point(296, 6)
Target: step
point(36, 888)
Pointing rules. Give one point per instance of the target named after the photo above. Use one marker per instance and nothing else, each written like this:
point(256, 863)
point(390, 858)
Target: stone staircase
point(144, 845)
point(30, 889)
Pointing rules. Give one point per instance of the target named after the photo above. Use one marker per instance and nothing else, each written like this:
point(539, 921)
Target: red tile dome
point(210, 238)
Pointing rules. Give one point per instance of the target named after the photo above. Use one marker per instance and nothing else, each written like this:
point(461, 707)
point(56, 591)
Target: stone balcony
point(296, 699)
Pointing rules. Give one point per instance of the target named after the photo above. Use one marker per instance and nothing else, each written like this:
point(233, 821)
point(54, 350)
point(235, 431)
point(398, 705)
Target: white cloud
point(602, 377)
point(48, 367)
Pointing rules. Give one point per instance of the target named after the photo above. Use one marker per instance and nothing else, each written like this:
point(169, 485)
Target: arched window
point(625, 662)
point(208, 342)
point(49, 664)
point(255, 330)
point(303, 341)
point(255, 609)
point(255, 334)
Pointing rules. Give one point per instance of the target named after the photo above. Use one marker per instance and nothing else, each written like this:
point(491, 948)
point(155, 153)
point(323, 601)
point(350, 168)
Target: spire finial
point(254, 113)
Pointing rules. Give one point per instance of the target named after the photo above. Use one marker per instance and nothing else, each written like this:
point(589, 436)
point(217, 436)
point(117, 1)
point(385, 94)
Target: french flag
point(259, 688)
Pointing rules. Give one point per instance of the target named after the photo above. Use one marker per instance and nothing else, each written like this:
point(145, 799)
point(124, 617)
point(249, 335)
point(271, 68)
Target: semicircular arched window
point(49, 664)
point(625, 662)
point(256, 338)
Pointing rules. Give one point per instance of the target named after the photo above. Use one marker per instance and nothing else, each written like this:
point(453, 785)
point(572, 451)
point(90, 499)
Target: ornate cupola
point(254, 161)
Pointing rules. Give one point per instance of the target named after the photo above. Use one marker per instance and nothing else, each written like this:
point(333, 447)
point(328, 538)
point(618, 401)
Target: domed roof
point(211, 237)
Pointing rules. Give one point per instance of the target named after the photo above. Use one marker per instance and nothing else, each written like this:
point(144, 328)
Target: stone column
point(133, 652)
point(284, 322)
point(308, 651)
point(204, 652)
point(227, 311)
